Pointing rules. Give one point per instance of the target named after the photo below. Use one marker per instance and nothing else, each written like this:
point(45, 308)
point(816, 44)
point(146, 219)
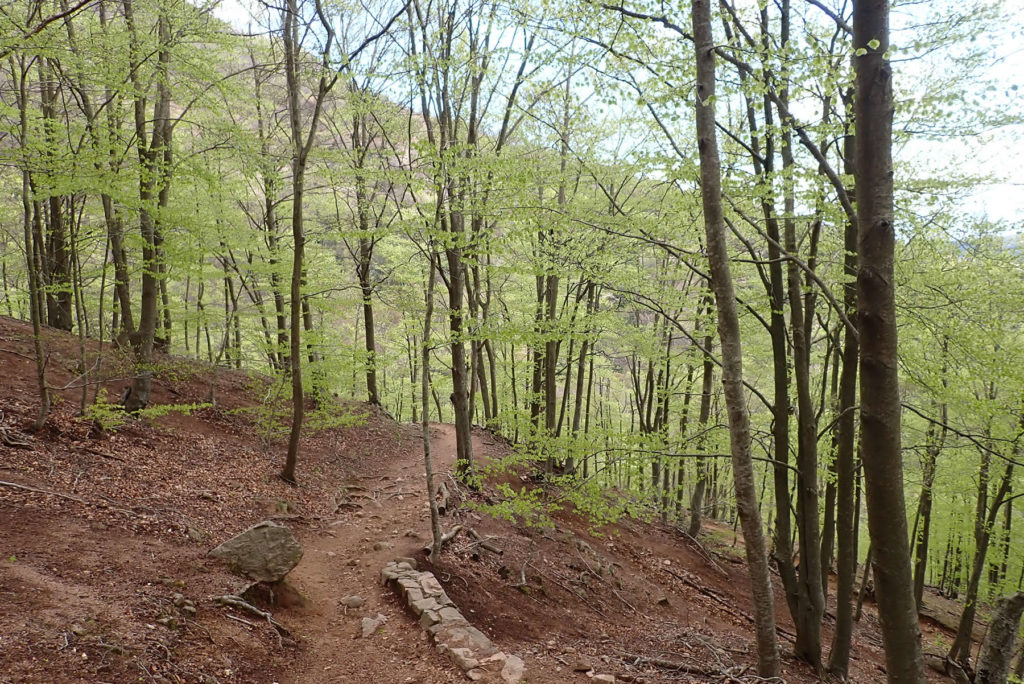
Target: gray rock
point(265, 552)
point(463, 657)
point(371, 625)
point(424, 604)
point(604, 678)
point(512, 672)
point(431, 587)
point(429, 618)
point(583, 664)
point(353, 601)
point(451, 614)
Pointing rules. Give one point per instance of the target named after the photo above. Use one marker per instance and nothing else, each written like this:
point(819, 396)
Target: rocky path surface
point(342, 565)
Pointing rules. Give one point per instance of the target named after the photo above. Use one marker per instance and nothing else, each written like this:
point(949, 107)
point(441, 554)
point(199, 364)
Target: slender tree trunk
point(435, 519)
point(936, 437)
point(291, 49)
point(20, 70)
point(703, 416)
point(961, 649)
point(732, 354)
point(153, 190)
point(846, 471)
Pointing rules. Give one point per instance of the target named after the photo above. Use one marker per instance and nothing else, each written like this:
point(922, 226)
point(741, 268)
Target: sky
point(997, 153)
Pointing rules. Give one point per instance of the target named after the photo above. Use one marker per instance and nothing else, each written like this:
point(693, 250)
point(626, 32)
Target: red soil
point(88, 570)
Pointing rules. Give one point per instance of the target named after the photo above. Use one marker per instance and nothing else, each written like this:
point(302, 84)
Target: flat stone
point(429, 618)
point(405, 560)
point(431, 587)
point(463, 657)
point(265, 552)
point(407, 583)
point(452, 614)
point(480, 641)
point(604, 678)
point(423, 604)
point(458, 635)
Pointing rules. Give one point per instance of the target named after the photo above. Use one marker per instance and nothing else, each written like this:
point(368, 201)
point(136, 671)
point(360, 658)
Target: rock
point(431, 587)
point(583, 665)
point(411, 562)
point(371, 625)
point(429, 618)
point(452, 615)
point(265, 552)
point(448, 628)
point(605, 678)
point(512, 672)
point(424, 604)
point(463, 657)
point(381, 546)
point(353, 601)
point(168, 622)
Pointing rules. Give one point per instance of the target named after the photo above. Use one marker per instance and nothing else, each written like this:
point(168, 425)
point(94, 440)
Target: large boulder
point(265, 552)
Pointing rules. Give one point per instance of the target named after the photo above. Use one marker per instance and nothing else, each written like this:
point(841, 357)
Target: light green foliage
point(595, 183)
point(111, 417)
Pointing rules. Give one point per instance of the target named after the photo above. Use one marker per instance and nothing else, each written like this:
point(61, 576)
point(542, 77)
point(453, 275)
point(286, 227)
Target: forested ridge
point(700, 262)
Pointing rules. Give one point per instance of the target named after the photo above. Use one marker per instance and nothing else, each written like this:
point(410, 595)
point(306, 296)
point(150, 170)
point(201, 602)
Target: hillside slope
point(103, 543)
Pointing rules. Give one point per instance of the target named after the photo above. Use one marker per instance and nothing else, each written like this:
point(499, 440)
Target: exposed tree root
point(239, 603)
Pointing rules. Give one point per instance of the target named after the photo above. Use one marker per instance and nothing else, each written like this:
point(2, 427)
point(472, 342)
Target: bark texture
point(879, 394)
point(732, 352)
point(997, 649)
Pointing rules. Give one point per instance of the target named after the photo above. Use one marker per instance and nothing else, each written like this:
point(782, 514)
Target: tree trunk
point(732, 353)
point(876, 313)
point(153, 187)
point(20, 70)
point(703, 416)
point(846, 470)
point(428, 464)
point(291, 49)
point(961, 649)
point(924, 506)
point(997, 649)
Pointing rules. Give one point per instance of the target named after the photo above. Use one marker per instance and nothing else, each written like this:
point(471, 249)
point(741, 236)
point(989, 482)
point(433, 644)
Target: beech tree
point(601, 239)
point(876, 313)
point(732, 350)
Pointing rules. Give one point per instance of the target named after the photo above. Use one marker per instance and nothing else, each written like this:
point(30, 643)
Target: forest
point(695, 261)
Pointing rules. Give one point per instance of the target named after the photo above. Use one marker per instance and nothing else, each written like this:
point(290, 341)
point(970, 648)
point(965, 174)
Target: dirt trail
point(346, 560)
